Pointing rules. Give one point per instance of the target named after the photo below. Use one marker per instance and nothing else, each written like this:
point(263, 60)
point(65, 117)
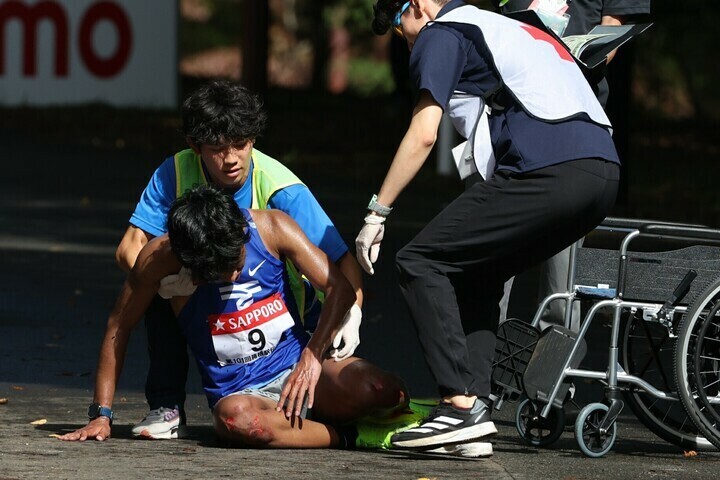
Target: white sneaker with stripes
point(447, 424)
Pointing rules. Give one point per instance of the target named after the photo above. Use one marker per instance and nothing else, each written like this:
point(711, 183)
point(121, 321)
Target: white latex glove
point(367, 243)
point(349, 333)
point(178, 285)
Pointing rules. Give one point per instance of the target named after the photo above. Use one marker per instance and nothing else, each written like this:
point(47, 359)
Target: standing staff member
point(551, 173)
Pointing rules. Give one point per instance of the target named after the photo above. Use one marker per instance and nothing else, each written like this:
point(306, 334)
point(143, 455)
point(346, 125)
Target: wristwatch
point(378, 208)
point(96, 410)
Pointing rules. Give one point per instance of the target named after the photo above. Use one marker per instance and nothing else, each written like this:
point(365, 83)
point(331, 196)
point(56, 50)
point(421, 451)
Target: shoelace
point(164, 413)
point(441, 409)
point(444, 408)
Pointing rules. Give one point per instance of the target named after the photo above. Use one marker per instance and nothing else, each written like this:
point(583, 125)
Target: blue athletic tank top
point(244, 333)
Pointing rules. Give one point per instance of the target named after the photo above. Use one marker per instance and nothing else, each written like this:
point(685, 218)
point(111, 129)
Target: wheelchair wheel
point(535, 430)
point(592, 440)
point(697, 362)
point(647, 351)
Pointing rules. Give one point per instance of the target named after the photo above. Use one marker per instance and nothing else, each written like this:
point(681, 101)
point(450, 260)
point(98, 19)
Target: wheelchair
point(657, 287)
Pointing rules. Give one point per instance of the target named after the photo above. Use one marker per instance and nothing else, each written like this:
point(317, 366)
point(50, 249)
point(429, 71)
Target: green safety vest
point(268, 177)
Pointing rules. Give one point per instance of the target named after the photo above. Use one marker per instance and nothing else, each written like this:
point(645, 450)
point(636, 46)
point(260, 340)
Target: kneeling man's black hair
point(208, 233)
point(222, 113)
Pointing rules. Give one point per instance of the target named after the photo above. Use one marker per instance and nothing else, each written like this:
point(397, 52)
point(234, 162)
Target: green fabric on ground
point(375, 432)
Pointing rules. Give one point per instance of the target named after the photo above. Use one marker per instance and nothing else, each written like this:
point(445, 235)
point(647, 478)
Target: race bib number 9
point(244, 336)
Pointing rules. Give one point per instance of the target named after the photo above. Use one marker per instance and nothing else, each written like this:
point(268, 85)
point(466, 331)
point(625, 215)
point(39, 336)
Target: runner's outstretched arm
point(154, 262)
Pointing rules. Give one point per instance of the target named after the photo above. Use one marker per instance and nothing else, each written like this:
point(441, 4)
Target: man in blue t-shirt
point(541, 141)
point(221, 122)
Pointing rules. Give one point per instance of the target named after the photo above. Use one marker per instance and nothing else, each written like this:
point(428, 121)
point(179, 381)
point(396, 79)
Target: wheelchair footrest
point(544, 368)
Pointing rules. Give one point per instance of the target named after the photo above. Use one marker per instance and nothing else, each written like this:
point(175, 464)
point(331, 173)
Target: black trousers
point(169, 361)
point(452, 273)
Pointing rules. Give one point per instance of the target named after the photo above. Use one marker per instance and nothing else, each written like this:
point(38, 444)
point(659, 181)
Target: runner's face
point(228, 165)
point(231, 277)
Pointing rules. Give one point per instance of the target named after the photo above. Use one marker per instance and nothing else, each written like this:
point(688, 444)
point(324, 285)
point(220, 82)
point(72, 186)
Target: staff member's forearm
point(413, 150)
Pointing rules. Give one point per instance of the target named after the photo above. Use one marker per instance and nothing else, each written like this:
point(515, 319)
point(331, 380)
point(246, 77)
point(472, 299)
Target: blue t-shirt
point(151, 212)
point(454, 57)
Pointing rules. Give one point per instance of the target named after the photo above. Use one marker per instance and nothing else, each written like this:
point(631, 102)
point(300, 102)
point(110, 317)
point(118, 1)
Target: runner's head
point(208, 233)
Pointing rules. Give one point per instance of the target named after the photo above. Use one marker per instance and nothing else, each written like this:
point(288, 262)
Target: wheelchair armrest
point(639, 223)
point(685, 232)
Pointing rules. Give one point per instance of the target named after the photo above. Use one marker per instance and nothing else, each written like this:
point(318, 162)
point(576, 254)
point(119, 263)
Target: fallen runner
point(268, 383)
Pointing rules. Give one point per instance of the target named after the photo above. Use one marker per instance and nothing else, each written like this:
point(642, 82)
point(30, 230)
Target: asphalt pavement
point(63, 211)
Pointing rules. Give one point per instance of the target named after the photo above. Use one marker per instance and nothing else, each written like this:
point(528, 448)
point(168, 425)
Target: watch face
point(94, 410)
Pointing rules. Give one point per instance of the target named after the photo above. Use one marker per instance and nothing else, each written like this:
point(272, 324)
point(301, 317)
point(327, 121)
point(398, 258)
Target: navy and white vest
point(538, 72)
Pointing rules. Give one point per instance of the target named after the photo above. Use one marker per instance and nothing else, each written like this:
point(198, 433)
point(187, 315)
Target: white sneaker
point(160, 424)
point(470, 450)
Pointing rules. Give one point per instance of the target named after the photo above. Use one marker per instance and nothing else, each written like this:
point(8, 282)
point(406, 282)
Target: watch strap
point(378, 208)
point(105, 412)
point(96, 410)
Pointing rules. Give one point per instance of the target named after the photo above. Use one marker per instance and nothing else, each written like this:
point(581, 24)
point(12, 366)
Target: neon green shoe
point(375, 432)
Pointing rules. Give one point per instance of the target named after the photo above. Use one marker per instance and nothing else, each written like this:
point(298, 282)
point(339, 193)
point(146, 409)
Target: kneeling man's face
point(228, 165)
